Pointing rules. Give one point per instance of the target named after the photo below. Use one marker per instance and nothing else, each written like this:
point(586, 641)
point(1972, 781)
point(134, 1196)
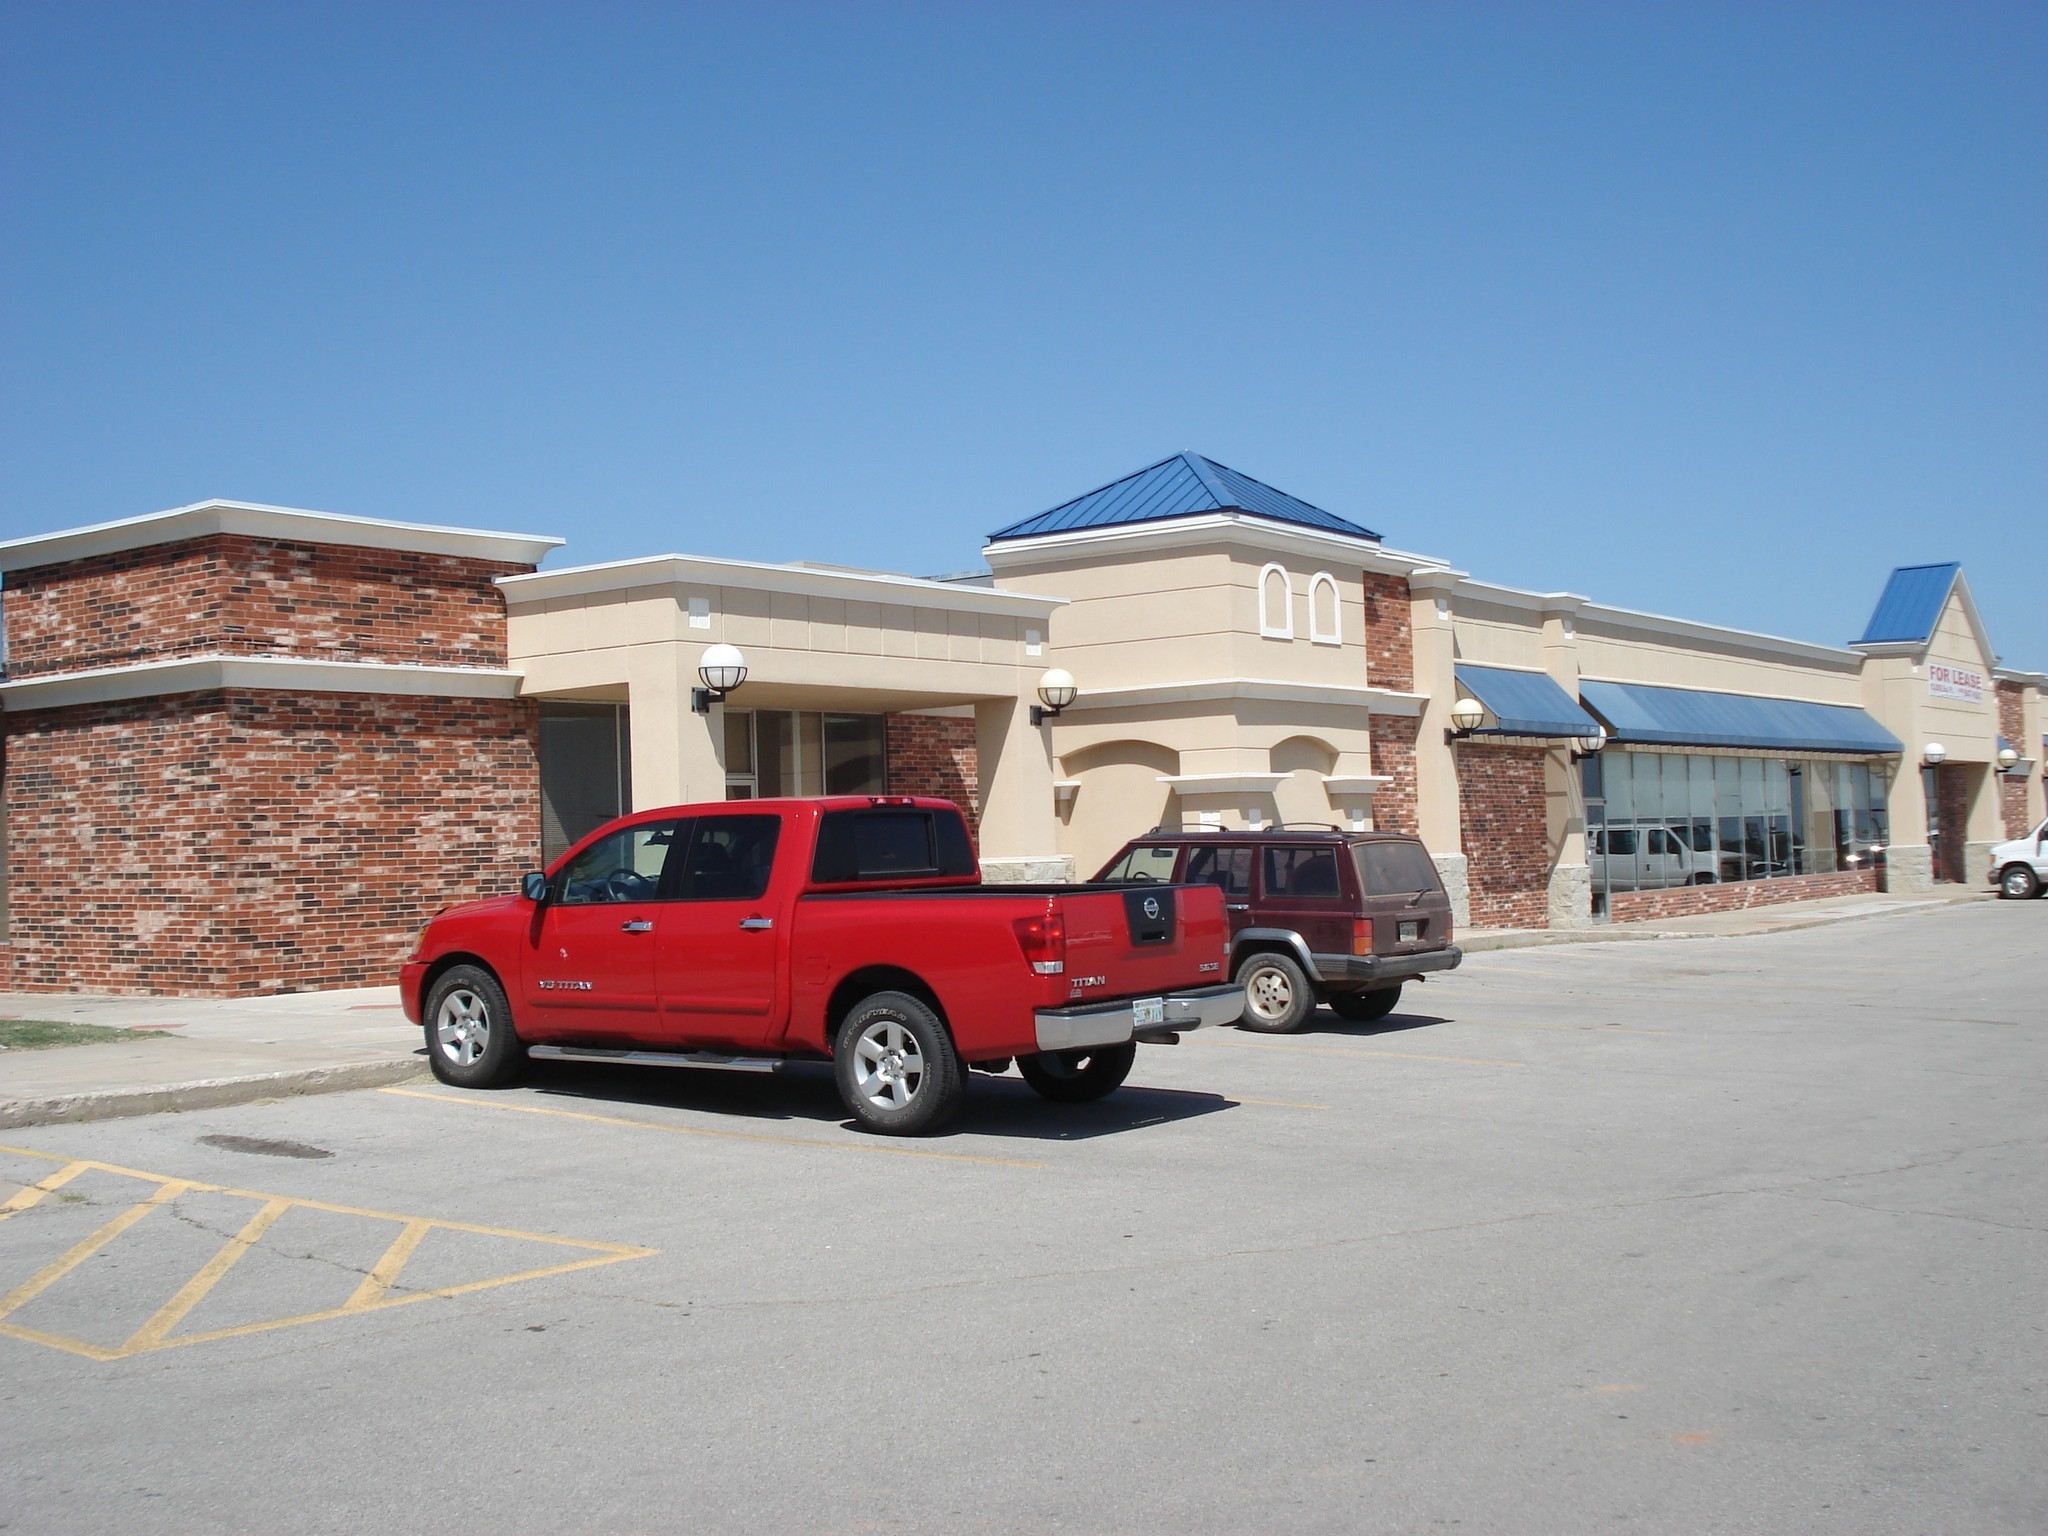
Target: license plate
point(1149, 1010)
point(1411, 931)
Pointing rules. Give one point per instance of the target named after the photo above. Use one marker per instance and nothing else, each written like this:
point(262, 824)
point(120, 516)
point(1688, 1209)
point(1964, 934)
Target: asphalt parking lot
point(1738, 1234)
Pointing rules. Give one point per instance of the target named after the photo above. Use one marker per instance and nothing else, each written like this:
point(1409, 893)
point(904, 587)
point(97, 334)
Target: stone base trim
point(1571, 896)
point(1909, 869)
point(1736, 895)
point(1454, 869)
point(1042, 869)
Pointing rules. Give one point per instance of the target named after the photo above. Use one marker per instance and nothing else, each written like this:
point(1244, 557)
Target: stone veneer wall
point(1736, 895)
point(1502, 809)
point(237, 842)
point(2012, 792)
point(1393, 758)
point(236, 595)
point(935, 755)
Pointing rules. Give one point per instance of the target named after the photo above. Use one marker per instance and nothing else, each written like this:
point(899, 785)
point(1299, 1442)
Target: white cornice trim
point(197, 674)
point(1378, 701)
point(1888, 648)
point(1223, 783)
point(2015, 675)
point(1715, 634)
point(253, 519)
point(703, 571)
point(1257, 533)
point(1353, 783)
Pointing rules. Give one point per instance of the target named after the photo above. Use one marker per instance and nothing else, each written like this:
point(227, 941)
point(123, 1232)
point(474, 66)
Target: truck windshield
point(1394, 869)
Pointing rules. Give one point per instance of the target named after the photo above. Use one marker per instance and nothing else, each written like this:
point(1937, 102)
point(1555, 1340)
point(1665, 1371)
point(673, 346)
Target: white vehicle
point(1647, 859)
point(2020, 868)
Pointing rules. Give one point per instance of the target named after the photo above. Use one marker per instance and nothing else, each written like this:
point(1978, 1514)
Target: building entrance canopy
point(1637, 713)
point(1525, 703)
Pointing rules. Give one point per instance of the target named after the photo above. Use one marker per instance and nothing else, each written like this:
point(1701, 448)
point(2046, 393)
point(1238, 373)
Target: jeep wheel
point(470, 1039)
point(896, 1067)
point(1077, 1077)
point(2018, 883)
point(1364, 1007)
point(1277, 996)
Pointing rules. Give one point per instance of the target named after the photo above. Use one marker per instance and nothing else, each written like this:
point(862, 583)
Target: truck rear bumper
point(1097, 1024)
point(1344, 972)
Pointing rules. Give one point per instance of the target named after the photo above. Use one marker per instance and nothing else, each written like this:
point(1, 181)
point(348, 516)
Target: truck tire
point(896, 1067)
point(1364, 1007)
point(2018, 883)
point(1079, 1077)
point(1277, 996)
point(470, 1039)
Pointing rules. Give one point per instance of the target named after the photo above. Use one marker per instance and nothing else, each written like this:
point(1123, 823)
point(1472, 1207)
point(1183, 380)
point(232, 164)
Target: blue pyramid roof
point(1185, 485)
point(1911, 605)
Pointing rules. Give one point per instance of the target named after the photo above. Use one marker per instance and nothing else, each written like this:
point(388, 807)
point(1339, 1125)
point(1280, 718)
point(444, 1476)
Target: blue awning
point(1525, 703)
point(1690, 717)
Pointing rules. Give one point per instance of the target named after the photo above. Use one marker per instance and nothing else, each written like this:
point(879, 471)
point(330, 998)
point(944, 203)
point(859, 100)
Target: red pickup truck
point(851, 928)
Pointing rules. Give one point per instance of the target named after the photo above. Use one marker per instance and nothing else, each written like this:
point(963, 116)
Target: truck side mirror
point(533, 885)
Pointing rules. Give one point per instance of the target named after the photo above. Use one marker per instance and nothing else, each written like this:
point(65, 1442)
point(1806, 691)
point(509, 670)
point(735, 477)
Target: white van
point(1643, 858)
point(2020, 868)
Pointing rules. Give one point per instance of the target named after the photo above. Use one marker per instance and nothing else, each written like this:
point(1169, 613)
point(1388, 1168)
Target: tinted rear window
point(890, 845)
point(1395, 869)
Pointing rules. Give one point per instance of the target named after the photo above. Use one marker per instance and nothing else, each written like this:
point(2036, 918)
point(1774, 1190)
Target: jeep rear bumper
point(1345, 973)
point(1099, 1024)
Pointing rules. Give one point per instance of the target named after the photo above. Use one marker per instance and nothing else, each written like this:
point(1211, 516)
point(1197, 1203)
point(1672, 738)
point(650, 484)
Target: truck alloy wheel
point(896, 1067)
point(470, 1039)
point(1076, 1077)
point(1277, 996)
point(2018, 883)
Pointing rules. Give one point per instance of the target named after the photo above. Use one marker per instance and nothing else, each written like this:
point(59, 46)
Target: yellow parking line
point(33, 1195)
point(697, 1130)
point(1321, 1050)
point(172, 1312)
point(379, 1280)
point(79, 1252)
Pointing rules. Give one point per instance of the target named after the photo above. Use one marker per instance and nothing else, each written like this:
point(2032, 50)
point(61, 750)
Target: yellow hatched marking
point(33, 1195)
point(79, 1252)
point(172, 1313)
point(811, 1143)
point(1324, 1050)
point(379, 1280)
point(373, 1295)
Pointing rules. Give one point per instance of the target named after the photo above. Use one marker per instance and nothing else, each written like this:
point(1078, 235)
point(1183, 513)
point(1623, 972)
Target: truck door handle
point(756, 924)
point(638, 925)
point(1237, 906)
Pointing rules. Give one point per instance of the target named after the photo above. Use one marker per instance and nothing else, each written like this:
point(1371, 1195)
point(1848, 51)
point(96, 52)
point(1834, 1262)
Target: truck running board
point(708, 1059)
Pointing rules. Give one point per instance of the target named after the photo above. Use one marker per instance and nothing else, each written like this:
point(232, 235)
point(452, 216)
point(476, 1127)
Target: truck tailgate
point(1126, 941)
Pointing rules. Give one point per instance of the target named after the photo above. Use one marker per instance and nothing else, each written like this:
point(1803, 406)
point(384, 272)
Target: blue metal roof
point(1525, 703)
point(1911, 605)
point(1185, 485)
point(1687, 717)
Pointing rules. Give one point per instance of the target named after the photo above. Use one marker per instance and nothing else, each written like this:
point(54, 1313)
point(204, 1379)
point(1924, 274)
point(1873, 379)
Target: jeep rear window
point(1395, 869)
point(889, 845)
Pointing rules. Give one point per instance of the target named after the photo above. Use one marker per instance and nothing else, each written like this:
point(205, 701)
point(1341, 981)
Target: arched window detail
point(1276, 603)
point(1325, 611)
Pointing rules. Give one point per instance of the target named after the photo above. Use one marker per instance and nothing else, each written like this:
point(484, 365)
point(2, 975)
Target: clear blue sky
point(1716, 310)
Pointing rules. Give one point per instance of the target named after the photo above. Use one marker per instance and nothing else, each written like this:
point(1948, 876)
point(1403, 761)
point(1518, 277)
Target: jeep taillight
point(1043, 939)
point(1361, 936)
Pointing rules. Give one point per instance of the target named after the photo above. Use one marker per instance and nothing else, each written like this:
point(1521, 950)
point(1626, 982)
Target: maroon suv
point(1316, 915)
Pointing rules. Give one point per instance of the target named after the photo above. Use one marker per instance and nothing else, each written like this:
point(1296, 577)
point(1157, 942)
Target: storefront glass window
point(801, 752)
point(586, 771)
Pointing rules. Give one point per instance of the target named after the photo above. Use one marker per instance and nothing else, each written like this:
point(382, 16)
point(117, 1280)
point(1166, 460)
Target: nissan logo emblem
point(1152, 906)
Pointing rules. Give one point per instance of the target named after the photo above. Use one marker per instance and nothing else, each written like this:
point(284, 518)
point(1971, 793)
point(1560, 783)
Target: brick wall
point(232, 594)
point(1389, 636)
point(1501, 805)
point(2012, 792)
point(935, 755)
point(1393, 758)
point(1736, 895)
point(237, 842)
point(1952, 797)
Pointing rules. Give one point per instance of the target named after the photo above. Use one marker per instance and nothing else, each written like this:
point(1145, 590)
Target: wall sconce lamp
point(1589, 746)
point(1056, 691)
point(1467, 715)
point(723, 669)
point(2008, 759)
point(1934, 754)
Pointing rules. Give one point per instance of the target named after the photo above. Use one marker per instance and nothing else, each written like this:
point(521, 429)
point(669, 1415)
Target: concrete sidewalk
point(234, 1051)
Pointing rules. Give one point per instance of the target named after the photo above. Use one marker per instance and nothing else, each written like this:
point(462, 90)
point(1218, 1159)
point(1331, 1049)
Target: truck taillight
point(1043, 939)
point(1361, 936)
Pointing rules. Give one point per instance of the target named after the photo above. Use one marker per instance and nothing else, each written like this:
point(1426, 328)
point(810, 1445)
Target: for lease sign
point(1947, 682)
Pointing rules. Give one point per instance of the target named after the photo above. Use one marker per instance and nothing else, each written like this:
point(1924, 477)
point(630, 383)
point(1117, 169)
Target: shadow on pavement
point(1327, 1023)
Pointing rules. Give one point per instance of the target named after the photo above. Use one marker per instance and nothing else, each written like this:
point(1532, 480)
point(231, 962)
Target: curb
point(1482, 941)
point(208, 1093)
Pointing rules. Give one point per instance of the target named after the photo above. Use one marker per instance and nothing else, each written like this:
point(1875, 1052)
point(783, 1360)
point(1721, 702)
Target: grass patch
point(41, 1034)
